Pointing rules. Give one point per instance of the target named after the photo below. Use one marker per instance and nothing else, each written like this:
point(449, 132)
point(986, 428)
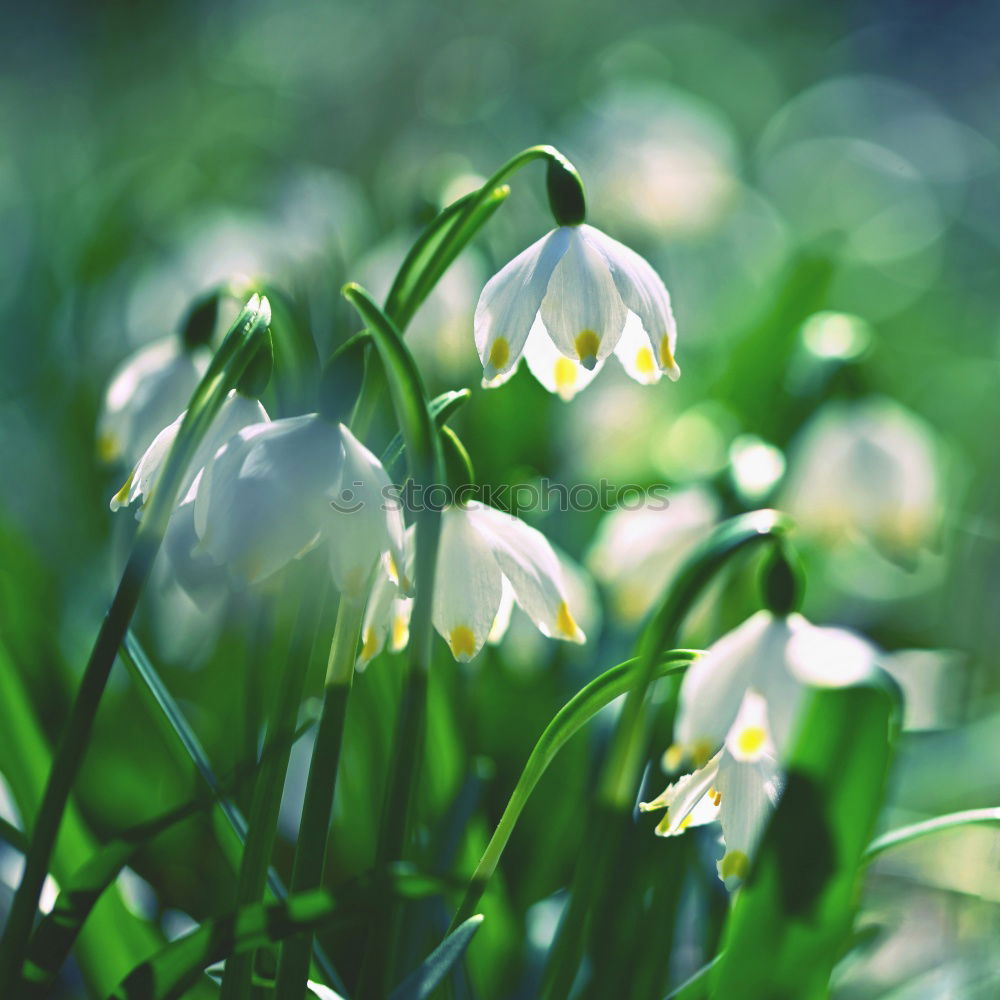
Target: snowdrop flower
point(775, 657)
point(866, 471)
point(739, 786)
point(482, 553)
point(738, 709)
point(237, 411)
point(637, 551)
point(275, 490)
point(145, 394)
point(567, 303)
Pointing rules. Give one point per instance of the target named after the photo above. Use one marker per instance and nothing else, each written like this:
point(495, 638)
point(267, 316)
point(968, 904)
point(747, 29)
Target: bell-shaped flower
point(772, 656)
point(237, 411)
point(146, 392)
point(387, 614)
point(575, 296)
point(866, 471)
point(363, 523)
point(638, 549)
point(265, 497)
point(739, 786)
point(488, 561)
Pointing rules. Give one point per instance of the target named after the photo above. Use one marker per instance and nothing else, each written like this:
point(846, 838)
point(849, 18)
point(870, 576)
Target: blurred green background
point(818, 186)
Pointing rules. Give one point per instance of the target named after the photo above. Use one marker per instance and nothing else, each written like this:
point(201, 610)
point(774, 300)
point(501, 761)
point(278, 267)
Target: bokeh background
point(818, 186)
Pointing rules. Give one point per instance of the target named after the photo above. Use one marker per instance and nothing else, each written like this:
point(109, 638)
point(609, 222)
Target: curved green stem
point(578, 711)
point(236, 352)
point(897, 838)
point(314, 828)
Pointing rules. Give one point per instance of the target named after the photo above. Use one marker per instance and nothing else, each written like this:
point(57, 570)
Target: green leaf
point(696, 987)
point(174, 969)
point(896, 838)
point(114, 939)
point(578, 711)
point(441, 408)
point(790, 922)
point(422, 982)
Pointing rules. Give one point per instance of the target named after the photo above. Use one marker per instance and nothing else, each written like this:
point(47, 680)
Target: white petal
point(531, 566)
point(362, 524)
point(582, 310)
point(830, 657)
point(145, 395)
point(749, 739)
point(467, 588)
point(714, 685)
point(193, 569)
point(643, 293)
point(263, 499)
point(502, 621)
point(387, 614)
point(554, 370)
point(510, 302)
point(687, 800)
point(635, 354)
point(748, 792)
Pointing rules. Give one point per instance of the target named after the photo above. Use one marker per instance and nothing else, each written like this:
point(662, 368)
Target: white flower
point(361, 521)
point(275, 490)
point(774, 657)
point(237, 411)
point(738, 786)
point(567, 303)
point(866, 470)
point(636, 552)
point(265, 497)
point(482, 554)
point(146, 393)
point(736, 719)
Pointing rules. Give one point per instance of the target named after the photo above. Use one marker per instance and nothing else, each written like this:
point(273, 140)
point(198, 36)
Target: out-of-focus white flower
point(574, 290)
point(237, 411)
point(265, 496)
point(866, 471)
point(146, 393)
point(275, 490)
point(361, 522)
point(637, 551)
point(487, 562)
point(737, 717)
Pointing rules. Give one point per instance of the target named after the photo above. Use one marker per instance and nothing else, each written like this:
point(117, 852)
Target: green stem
point(579, 710)
point(266, 801)
point(235, 353)
point(317, 810)
point(896, 838)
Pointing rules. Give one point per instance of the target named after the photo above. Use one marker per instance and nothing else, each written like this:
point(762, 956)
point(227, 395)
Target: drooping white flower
point(483, 554)
point(568, 302)
point(276, 490)
point(265, 497)
point(387, 614)
point(362, 522)
point(739, 786)
point(146, 392)
point(637, 551)
point(737, 716)
point(237, 411)
point(866, 470)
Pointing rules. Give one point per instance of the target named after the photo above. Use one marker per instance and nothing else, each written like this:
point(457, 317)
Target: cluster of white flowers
point(260, 493)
